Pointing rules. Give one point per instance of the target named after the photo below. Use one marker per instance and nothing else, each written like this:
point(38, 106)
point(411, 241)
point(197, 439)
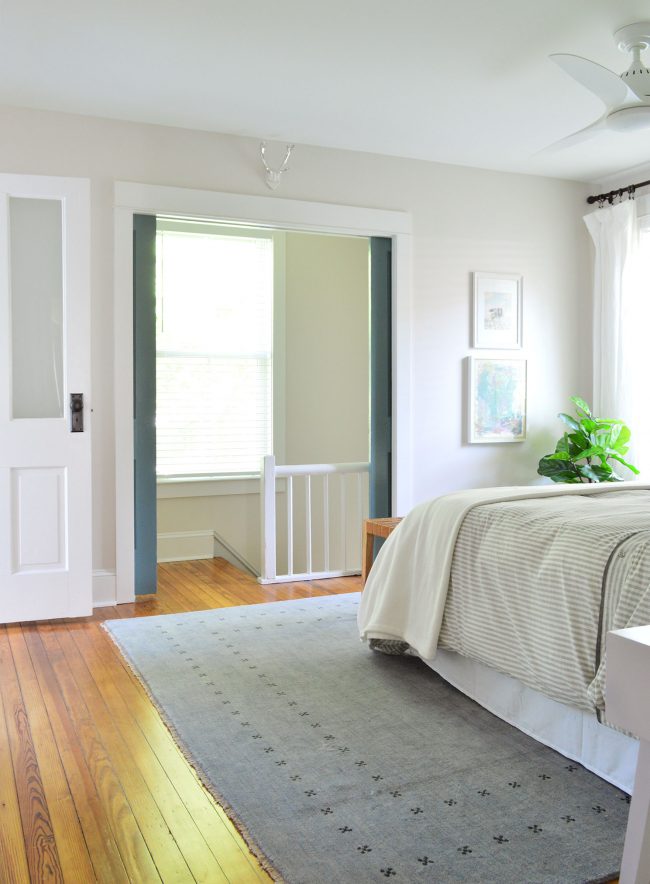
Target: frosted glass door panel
point(36, 281)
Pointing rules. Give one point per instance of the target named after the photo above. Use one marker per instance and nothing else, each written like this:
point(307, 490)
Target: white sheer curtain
point(621, 331)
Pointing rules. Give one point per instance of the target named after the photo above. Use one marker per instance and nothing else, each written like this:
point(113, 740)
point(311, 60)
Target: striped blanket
point(535, 584)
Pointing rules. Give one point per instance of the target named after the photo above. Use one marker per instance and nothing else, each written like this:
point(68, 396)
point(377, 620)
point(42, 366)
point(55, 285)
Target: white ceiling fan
point(626, 97)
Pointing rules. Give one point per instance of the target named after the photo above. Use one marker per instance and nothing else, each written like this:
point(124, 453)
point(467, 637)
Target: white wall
point(464, 220)
point(521, 225)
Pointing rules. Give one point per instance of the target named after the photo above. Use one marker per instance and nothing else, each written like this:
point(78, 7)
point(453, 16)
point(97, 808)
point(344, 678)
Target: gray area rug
point(344, 765)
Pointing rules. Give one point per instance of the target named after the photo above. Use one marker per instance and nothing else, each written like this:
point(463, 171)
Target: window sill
point(207, 486)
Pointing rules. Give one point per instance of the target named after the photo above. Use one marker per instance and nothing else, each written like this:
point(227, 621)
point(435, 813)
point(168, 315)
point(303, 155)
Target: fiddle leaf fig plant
point(584, 452)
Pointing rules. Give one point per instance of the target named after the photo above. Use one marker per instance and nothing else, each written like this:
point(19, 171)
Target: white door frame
point(131, 199)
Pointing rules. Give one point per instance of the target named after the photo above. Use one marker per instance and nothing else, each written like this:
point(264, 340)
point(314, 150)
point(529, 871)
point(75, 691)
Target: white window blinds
point(214, 373)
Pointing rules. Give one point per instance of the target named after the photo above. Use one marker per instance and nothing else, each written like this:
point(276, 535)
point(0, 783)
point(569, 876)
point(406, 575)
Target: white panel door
point(45, 477)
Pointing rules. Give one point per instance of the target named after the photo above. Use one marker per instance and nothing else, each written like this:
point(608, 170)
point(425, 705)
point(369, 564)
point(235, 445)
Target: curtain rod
point(609, 197)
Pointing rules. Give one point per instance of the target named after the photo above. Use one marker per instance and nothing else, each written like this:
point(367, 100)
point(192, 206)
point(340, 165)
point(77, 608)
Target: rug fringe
point(202, 778)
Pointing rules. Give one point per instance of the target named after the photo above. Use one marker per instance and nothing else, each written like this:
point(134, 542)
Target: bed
point(508, 594)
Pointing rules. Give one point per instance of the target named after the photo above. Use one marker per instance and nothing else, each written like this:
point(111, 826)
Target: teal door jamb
point(380, 376)
point(144, 402)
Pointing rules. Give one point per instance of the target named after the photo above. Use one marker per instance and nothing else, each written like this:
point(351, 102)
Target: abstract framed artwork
point(497, 400)
point(498, 317)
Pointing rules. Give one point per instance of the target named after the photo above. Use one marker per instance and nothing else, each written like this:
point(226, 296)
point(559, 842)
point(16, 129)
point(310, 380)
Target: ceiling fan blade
point(575, 137)
point(605, 84)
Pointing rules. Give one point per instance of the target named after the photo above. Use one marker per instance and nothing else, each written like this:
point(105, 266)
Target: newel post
point(267, 519)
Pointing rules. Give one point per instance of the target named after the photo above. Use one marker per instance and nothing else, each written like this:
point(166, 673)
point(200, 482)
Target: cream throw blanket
point(404, 597)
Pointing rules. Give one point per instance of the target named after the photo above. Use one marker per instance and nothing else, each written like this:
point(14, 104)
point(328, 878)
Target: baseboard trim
point(185, 546)
point(104, 589)
point(224, 550)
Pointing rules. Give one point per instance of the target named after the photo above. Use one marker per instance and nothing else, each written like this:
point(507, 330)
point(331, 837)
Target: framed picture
point(497, 400)
point(497, 311)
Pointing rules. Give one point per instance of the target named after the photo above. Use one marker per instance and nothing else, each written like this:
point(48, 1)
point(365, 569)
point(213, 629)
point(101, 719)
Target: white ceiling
point(455, 81)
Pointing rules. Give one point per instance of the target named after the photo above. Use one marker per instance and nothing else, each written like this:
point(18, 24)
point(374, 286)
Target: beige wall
point(463, 220)
point(327, 327)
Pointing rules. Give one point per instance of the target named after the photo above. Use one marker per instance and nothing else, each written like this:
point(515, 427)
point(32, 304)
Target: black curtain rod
point(609, 197)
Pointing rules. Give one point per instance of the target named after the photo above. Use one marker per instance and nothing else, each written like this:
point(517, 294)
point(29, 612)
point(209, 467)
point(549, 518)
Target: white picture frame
point(498, 311)
point(497, 399)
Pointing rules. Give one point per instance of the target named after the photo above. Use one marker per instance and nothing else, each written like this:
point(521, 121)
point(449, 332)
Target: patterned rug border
point(207, 784)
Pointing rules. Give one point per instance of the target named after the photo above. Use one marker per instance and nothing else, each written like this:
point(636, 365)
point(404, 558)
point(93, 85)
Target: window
point(214, 349)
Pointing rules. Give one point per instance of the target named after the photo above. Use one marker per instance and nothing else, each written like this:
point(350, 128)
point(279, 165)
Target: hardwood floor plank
point(13, 856)
point(148, 852)
point(208, 817)
point(176, 592)
point(40, 842)
point(90, 800)
point(183, 828)
point(193, 590)
point(56, 760)
point(84, 798)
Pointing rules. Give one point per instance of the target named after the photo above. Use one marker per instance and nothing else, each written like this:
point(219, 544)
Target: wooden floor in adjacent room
point(92, 785)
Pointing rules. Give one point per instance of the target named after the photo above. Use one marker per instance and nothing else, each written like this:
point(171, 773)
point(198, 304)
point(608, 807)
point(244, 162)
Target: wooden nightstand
point(374, 528)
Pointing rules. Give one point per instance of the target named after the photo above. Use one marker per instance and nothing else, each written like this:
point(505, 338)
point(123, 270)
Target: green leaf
point(559, 455)
point(625, 463)
point(581, 405)
point(563, 444)
point(578, 442)
point(556, 470)
point(596, 473)
point(588, 426)
point(594, 451)
point(614, 435)
point(602, 439)
point(620, 437)
point(571, 422)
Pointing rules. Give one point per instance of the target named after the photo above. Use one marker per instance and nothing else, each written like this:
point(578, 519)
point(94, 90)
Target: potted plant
point(583, 454)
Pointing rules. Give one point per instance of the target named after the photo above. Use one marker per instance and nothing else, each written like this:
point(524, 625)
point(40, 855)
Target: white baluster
point(343, 524)
point(308, 523)
point(289, 525)
point(326, 523)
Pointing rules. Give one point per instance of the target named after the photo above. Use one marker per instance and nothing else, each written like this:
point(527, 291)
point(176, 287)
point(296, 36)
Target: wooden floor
point(92, 786)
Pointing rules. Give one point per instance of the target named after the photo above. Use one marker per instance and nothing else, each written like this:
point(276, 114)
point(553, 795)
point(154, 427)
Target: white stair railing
point(336, 546)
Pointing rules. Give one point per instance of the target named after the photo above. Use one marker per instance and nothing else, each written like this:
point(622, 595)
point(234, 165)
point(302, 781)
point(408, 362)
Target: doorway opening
point(134, 199)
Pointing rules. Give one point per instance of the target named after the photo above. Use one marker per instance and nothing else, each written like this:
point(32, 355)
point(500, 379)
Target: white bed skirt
point(575, 734)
